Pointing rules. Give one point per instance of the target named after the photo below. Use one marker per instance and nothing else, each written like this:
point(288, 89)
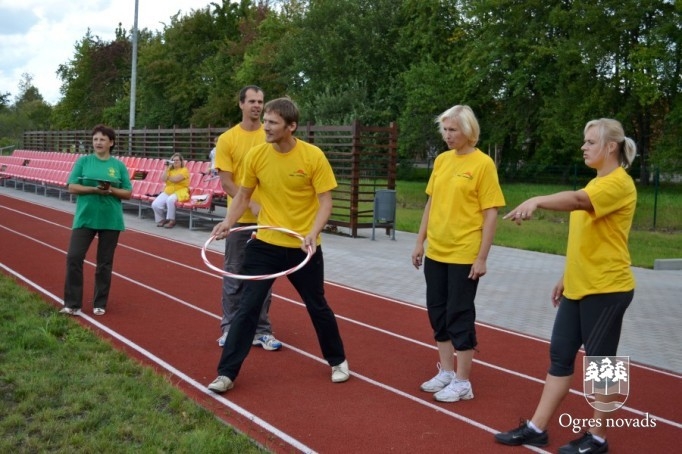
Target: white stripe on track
point(187, 379)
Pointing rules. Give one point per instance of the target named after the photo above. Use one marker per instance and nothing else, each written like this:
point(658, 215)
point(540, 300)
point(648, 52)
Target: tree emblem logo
point(606, 382)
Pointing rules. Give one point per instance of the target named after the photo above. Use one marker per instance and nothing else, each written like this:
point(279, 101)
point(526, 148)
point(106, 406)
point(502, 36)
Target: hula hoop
point(259, 277)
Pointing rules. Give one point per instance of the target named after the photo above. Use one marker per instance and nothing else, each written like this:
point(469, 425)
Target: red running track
point(164, 310)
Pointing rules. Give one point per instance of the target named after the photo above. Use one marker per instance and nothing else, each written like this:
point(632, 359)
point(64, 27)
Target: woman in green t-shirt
point(100, 181)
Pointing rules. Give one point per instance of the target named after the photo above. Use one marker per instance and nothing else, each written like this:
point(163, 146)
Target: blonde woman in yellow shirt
point(597, 285)
point(176, 177)
point(458, 224)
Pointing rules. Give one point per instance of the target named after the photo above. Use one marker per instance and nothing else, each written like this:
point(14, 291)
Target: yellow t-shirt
point(460, 187)
point(597, 255)
point(231, 149)
point(181, 187)
point(288, 184)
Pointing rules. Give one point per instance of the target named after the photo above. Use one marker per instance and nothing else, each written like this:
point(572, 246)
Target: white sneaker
point(340, 373)
point(221, 339)
point(221, 384)
point(440, 381)
point(456, 390)
point(69, 311)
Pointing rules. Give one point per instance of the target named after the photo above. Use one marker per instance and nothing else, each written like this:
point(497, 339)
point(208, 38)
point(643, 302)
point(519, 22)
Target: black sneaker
point(522, 435)
point(585, 444)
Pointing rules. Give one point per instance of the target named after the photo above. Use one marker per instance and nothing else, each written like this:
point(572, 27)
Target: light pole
point(133, 85)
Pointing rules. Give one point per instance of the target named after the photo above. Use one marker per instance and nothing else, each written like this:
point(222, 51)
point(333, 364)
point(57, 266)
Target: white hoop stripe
point(261, 276)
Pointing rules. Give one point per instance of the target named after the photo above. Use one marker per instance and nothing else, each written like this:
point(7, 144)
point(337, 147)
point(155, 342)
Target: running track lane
point(164, 310)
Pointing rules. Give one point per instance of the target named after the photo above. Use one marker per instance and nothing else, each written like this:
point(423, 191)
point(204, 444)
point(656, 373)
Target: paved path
point(513, 295)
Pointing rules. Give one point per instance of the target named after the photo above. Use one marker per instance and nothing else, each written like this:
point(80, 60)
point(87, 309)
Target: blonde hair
point(465, 118)
point(182, 160)
point(610, 130)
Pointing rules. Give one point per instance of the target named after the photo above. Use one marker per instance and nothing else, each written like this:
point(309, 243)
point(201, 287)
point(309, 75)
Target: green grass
point(64, 390)
point(548, 231)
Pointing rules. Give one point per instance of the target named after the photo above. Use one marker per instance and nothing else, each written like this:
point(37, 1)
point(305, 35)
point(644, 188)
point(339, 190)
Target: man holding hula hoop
point(294, 181)
point(231, 149)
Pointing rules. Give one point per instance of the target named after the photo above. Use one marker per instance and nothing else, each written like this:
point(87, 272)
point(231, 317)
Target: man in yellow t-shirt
point(294, 181)
point(231, 149)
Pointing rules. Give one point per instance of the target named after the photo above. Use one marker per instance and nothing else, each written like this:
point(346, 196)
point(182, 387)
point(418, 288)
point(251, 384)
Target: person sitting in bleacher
point(176, 177)
point(211, 172)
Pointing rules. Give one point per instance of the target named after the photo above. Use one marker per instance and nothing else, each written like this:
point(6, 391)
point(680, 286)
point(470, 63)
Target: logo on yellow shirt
point(466, 175)
point(298, 173)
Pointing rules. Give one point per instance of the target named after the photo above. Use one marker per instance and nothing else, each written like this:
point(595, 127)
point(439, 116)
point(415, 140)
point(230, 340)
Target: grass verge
point(63, 389)
point(548, 231)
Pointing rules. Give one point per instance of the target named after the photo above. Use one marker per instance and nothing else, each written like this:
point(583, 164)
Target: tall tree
point(429, 46)
point(239, 40)
point(31, 105)
point(544, 69)
point(342, 44)
point(171, 83)
point(93, 81)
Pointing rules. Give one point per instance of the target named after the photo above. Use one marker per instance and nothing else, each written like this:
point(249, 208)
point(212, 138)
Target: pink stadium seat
point(140, 189)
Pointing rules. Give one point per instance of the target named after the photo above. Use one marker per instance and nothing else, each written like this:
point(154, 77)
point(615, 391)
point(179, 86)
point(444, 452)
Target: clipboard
point(103, 182)
point(99, 180)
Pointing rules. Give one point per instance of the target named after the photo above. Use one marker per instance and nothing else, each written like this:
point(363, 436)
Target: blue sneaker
point(267, 341)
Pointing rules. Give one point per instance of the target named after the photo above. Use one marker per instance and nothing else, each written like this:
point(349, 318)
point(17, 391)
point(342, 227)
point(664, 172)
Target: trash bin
point(384, 211)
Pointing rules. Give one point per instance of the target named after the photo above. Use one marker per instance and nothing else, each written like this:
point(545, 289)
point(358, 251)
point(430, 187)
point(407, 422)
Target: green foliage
point(173, 86)
point(429, 91)
point(342, 45)
point(29, 112)
point(534, 72)
point(548, 231)
point(93, 81)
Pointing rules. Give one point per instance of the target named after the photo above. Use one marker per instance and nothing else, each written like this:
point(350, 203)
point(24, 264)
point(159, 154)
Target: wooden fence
point(364, 158)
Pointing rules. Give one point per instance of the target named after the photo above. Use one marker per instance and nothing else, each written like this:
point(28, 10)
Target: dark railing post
point(656, 180)
point(392, 155)
point(355, 177)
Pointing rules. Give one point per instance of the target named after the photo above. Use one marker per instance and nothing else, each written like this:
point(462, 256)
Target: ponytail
point(628, 151)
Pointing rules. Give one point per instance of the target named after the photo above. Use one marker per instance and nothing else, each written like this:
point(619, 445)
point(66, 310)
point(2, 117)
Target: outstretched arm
point(561, 201)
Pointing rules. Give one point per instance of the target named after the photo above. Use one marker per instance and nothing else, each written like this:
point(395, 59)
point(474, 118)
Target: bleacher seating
point(48, 171)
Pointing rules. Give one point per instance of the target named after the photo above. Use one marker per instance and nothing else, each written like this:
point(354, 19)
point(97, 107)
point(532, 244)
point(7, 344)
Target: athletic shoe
point(221, 384)
point(99, 311)
point(340, 373)
point(522, 435)
point(440, 381)
point(455, 391)
point(585, 444)
point(267, 341)
point(221, 339)
point(69, 311)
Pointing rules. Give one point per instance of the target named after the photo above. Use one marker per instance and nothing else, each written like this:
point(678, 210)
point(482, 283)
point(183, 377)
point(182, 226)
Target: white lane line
point(184, 377)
